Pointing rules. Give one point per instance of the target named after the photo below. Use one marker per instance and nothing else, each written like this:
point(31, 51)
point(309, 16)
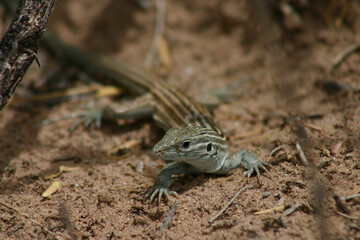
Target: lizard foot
point(252, 163)
point(255, 166)
point(89, 119)
point(158, 191)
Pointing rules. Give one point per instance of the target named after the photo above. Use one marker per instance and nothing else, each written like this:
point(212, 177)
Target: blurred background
point(262, 59)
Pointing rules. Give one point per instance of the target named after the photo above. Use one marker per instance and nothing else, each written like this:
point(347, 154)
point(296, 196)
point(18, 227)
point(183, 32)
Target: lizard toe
point(173, 193)
point(89, 119)
point(161, 193)
point(249, 172)
point(264, 168)
point(153, 194)
point(257, 171)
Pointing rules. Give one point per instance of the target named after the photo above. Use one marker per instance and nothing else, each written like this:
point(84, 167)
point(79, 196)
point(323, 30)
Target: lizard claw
point(255, 165)
point(159, 192)
point(252, 163)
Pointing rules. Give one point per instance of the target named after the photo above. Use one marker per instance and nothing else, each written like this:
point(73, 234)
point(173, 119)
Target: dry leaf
point(312, 126)
point(164, 53)
point(122, 151)
point(63, 168)
point(108, 91)
point(50, 176)
point(53, 188)
point(279, 208)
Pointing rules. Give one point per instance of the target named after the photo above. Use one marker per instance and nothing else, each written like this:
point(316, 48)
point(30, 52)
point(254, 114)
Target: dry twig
point(290, 210)
point(347, 216)
point(33, 221)
point(301, 154)
point(350, 197)
point(275, 150)
point(229, 203)
point(158, 33)
point(344, 54)
point(169, 217)
point(19, 46)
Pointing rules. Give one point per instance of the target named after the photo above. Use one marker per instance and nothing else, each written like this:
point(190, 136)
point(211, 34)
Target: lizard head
point(190, 144)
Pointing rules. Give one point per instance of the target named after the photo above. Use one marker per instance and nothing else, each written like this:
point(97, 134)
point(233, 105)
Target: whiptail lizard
point(193, 141)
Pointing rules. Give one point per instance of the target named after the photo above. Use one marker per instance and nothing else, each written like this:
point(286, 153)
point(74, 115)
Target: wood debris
point(229, 203)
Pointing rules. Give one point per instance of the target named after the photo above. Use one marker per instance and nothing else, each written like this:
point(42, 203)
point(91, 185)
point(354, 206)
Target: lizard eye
point(209, 147)
point(186, 144)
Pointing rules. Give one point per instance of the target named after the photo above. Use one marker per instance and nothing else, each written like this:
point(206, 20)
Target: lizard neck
point(210, 163)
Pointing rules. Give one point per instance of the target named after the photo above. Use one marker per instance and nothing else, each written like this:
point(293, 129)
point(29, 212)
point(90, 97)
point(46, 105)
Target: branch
point(19, 46)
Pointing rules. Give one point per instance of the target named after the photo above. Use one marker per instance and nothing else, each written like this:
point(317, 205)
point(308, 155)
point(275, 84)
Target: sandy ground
point(212, 44)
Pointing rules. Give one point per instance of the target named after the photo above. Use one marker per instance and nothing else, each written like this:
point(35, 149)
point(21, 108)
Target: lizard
point(193, 142)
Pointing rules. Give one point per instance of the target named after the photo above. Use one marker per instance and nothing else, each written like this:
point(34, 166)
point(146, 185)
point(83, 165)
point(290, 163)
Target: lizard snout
point(157, 152)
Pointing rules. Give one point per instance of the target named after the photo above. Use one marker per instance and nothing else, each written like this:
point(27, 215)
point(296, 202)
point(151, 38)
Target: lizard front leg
point(247, 158)
point(164, 179)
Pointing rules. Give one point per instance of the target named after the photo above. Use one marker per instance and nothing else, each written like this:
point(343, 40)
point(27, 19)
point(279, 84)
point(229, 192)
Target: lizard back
point(174, 108)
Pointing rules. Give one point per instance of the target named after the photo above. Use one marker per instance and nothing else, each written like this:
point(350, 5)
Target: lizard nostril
point(159, 152)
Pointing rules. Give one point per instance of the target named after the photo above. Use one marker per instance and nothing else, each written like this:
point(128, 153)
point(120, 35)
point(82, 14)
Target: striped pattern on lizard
point(193, 141)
